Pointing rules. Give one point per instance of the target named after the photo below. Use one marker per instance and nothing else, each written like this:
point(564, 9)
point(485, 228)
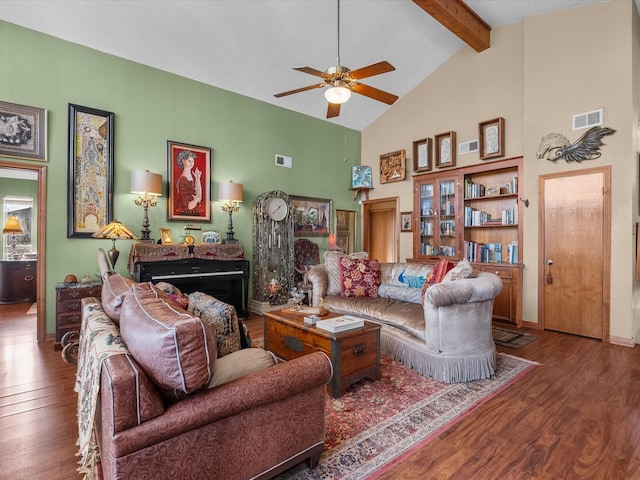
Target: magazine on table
point(340, 324)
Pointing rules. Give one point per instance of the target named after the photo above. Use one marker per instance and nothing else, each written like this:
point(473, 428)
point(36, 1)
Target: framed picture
point(445, 145)
point(361, 177)
point(311, 216)
point(189, 178)
point(392, 166)
point(405, 222)
point(210, 236)
point(165, 236)
point(24, 132)
point(90, 174)
point(491, 135)
point(422, 161)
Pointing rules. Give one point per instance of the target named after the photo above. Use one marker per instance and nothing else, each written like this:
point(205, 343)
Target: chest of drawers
point(69, 305)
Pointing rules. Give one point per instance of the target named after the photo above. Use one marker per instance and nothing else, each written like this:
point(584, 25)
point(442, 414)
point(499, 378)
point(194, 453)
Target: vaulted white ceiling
point(250, 46)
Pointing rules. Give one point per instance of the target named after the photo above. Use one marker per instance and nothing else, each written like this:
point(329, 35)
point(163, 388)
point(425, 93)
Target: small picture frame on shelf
point(165, 236)
point(491, 135)
point(405, 222)
point(210, 236)
point(445, 146)
point(361, 176)
point(492, 190)
point(422, 161)
point(392, 166)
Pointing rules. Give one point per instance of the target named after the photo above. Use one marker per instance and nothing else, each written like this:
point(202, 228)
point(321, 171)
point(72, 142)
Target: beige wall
point(536, 75)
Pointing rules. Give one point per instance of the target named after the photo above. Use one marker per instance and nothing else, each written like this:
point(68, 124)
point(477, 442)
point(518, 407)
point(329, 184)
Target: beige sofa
point(445, 334)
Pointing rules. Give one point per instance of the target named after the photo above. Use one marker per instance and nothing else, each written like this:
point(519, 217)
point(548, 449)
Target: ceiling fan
point(342, 81)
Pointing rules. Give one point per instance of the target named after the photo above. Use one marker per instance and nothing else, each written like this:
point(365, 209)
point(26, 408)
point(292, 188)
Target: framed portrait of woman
point(189, 178)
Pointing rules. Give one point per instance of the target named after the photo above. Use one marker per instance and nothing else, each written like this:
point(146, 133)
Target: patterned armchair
point(306, 254)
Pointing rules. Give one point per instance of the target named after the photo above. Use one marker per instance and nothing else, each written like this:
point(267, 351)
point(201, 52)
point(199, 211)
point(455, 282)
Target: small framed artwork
point(491, 135)
point(311, 216)
point(422, 149)
point(90, 171)
point(445, 146)
point(392, 166)
point(492, 190)
point(361, 177)
point(210, 236)
point(405, 222)
point(189, 178)
point(165, 236)
point(24, 132)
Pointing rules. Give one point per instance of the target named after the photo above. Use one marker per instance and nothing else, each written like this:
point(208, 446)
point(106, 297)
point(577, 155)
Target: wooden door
point(380, 229)
point(575, 252)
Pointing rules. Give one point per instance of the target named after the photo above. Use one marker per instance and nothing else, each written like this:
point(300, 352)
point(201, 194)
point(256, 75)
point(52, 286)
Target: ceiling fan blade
point(333, 110)
point(298, 90)
point(313, 71)
point(371, 92)
point(371, 70)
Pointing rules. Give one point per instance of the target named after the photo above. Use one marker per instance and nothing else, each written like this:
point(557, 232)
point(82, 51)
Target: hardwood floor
point(576, 416)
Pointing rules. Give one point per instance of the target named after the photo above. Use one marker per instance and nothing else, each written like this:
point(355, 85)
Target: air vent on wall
point(587, 119)
point(283, 161)
point(468, 147)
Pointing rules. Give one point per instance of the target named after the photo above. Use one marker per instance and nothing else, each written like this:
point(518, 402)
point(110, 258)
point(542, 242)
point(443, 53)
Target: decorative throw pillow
point(462, 270)
point(176, 349)
point(412, 275)
point(331, 259)
point(359, 278)
point(222, 319)
point(437, 274)
point(114, 289)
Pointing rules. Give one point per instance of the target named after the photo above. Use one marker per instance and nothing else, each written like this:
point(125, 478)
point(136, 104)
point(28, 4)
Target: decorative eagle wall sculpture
point(556, 146)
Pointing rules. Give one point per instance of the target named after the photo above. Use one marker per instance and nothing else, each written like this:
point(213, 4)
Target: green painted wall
point(150, 108)
point(20, 188)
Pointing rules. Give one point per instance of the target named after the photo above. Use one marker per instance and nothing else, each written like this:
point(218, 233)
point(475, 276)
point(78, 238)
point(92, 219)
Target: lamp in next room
point(148, 186)
point(114, 230)
point(13, 228)
point(230, 194)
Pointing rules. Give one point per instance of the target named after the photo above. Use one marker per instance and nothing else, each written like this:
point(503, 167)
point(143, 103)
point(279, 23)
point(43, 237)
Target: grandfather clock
point(272, 251)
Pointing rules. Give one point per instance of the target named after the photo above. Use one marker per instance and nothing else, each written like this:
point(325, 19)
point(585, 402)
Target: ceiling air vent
point(587, 119)
point(468, 147)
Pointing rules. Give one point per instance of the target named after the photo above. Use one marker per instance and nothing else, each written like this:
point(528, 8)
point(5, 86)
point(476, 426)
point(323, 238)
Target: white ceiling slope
point(250, 46)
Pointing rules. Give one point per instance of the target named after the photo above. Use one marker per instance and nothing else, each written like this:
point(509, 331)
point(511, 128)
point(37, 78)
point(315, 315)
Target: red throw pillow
point(437, 274)
point(359, 278)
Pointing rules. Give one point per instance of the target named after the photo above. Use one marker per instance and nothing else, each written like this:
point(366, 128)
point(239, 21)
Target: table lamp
point(13, 228)
point(114, 230)
point(230, 194)
point(148, 187)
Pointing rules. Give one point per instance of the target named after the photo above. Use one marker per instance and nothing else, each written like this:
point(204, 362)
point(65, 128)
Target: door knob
point(549, 278)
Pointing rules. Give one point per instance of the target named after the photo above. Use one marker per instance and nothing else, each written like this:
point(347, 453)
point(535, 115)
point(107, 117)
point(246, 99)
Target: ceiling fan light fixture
point(337, 94)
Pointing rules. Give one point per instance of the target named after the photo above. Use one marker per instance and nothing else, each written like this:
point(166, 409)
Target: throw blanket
point(99, 339)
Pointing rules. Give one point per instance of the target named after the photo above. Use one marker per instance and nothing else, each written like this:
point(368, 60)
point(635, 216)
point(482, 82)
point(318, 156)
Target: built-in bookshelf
point(474, 213)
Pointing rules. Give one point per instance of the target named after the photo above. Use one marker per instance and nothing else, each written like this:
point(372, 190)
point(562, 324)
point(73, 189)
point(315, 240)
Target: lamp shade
point(229, 191)
point(146, 182)
point(338, 94)
point(115, 230)
point(12, 225)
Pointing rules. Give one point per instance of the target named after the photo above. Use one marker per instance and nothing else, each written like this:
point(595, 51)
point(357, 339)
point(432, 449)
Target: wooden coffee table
point(354, 354)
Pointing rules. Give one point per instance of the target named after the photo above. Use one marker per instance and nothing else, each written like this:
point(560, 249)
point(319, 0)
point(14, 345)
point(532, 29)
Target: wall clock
point(272, 251)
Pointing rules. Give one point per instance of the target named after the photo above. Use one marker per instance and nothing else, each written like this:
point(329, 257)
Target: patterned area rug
point(511, 338)
point(374, 425)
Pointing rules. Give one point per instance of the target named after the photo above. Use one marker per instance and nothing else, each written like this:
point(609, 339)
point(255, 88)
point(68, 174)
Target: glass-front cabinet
point(436, 235)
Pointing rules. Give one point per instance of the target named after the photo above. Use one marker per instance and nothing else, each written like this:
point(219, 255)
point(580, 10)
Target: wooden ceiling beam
point(460, 20)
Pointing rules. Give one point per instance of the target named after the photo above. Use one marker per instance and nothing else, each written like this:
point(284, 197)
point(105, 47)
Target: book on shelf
point(512, 252)
point(340, 324)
